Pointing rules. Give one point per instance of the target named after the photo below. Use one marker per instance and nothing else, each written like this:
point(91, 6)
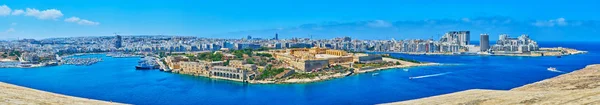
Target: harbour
point(119, 77)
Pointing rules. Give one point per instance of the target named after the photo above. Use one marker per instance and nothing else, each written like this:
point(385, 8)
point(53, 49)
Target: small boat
point(552, 69)
point(374, 74)
point(558, 56)
point(410, 77)
point(405, 69)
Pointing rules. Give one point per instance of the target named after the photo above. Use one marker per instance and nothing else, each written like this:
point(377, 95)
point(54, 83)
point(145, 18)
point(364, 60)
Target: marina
point(81, 61)
point(123, 55)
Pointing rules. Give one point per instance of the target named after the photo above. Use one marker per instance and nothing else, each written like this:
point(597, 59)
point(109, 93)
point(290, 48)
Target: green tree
point(250, 61)
point(239, 55)
point(262, 63)
point(11, 54)
point(264, 54)
point(217, 57)
point(192, 57)
point(268, 67)
point(262, 49)
point(226, 63)
point(203, 56)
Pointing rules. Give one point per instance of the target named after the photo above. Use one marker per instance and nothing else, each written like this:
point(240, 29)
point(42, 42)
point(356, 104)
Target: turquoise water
point(115, 79)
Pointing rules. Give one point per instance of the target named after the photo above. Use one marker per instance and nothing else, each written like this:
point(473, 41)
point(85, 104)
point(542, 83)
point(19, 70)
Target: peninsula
point(578, 88)
point(294, 65)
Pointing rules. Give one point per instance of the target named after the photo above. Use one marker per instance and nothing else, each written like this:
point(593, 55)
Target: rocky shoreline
point(578, 87)
point(405, 64)
point(334, 76)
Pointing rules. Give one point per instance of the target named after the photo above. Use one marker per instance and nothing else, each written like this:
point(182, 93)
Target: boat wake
point(558, 71)
point(431, 75)
point(552, 69)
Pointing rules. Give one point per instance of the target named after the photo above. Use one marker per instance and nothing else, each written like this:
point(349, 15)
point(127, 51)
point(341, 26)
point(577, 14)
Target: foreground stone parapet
point(12, 94)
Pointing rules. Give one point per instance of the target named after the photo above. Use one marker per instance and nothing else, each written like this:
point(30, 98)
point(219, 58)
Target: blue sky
point(400, 19)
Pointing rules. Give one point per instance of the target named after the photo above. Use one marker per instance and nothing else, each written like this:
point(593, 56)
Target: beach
point(12, 94)
point(578, 87)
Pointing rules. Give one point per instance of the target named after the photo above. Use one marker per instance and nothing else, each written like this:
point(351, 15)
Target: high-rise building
point(503, 37)
point(461, 38)
point(464, 37)
point(118, 42)
point(249, 37)
point(484, 42)
point(276, 36)
point(511, 44)
point(347, 39)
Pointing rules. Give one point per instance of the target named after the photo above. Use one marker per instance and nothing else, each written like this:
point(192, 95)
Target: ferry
point(144, 66)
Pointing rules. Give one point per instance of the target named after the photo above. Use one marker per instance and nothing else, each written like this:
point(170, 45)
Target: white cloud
point(466, 20)
point(4, 10)
point(48, 14)
point(81, 21)
point(561, 21)
point(45, 14)
point(87, 22)
point(9, 30)
point(379, 23)
point(72, 19)
point(13, 24)
point(551, 23)
point(18, 12)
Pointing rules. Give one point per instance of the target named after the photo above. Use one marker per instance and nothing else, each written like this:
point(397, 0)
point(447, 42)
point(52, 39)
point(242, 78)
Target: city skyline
point(262, 19)
point(308, 52)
